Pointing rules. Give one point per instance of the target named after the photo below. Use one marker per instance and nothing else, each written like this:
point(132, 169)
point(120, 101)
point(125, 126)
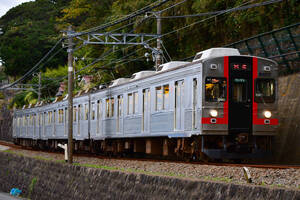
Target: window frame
point(109, 107)
point(262, 99)
point(133, 109)
point(244, 99)
point(165, 98)
point(225, 90)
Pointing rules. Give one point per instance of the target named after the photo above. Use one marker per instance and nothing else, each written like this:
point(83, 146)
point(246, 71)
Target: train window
point(60, 115)
point(264, 90)
point(240, 90)
point(135, 102)
point(44, 118)
point(54, 116)
point(99, 110)
point(80, 114)
point(41, 119)
point(66, 116)
point(120, 103)
point(49, 117)
point(112, 105)
point(215, 89)
point(130, 104)
point(93, 111)
point(166, 97)
point(86, 110)
point(159, 98)
point(162, 98)
point(109, 107)
point(74, 113)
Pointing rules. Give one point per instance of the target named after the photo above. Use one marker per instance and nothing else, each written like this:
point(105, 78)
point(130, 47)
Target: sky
point(5, 5)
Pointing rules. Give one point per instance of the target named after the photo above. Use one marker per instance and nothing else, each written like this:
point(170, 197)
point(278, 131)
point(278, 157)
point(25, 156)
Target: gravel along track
point(287, 178)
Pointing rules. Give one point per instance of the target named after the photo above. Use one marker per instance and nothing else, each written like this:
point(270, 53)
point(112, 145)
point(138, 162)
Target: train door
point(179, 112)
point(54, 123)
point(240, 95)
point(79, 119)
point(119, 114)
point(44, 124)
point(34, 126)
point(194, 104)
point(66, 118)
point(146, 110)
point(99, 117)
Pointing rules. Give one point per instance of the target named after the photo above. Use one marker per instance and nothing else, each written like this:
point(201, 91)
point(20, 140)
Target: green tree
point(29, 33)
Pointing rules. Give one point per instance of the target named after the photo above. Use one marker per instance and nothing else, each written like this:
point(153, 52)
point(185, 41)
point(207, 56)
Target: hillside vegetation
point(31, 29)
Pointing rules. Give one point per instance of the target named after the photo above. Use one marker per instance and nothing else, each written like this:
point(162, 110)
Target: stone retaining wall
point(287, 142)
point(39, 179)
point(5, 124)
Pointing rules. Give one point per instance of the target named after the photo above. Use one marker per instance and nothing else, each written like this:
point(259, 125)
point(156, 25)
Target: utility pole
point(70, 95)
point(158, 56)
point(39, 93)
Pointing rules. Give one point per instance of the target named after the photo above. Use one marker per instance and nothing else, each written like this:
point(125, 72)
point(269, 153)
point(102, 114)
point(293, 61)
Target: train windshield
point(265, 91)
point(215, 89)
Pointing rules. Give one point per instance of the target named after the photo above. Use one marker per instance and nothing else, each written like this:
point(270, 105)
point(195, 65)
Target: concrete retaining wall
point(40, 179)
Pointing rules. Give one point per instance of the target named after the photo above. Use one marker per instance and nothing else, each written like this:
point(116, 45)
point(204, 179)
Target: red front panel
point(224, 119)
point(255, 119)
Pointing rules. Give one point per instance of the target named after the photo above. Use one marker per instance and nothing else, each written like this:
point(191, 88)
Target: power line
point(174, 5)
point(34, 68)
point(94, 62)
point(221, 11)
point(178, 30)
point(197, 22)
point(130, 16)
point(120, 17)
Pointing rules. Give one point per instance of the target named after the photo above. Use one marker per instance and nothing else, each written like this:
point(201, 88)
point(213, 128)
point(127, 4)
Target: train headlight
point(213, 113)
point(267, 114)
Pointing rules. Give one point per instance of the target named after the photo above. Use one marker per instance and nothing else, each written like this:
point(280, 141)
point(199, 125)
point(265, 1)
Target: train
point(222, 105)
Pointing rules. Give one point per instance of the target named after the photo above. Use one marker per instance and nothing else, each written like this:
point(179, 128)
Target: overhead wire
point(183, 28)
point(220, 11)
point(130, 16)
point(95, 61)
point(197, 22)
point(136, 13)
point(28, 73)
point(121, 16)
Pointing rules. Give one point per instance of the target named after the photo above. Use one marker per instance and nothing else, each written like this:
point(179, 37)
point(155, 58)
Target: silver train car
point(220, 105)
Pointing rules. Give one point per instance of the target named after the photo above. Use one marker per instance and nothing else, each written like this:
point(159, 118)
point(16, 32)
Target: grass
point(42, 158)
point(222, 179)
point(127, 170)
point(31, 187)
point(12, 152)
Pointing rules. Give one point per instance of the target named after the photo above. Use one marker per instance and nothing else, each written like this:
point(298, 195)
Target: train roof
point(216, 52)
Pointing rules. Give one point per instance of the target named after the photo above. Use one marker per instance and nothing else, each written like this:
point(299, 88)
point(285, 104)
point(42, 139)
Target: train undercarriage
point(195, 148)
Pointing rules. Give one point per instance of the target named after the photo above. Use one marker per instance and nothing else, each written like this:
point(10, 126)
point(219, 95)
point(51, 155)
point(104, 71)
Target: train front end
point(239, 110)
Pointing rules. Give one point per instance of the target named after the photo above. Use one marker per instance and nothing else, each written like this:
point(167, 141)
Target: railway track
point(226, 164)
